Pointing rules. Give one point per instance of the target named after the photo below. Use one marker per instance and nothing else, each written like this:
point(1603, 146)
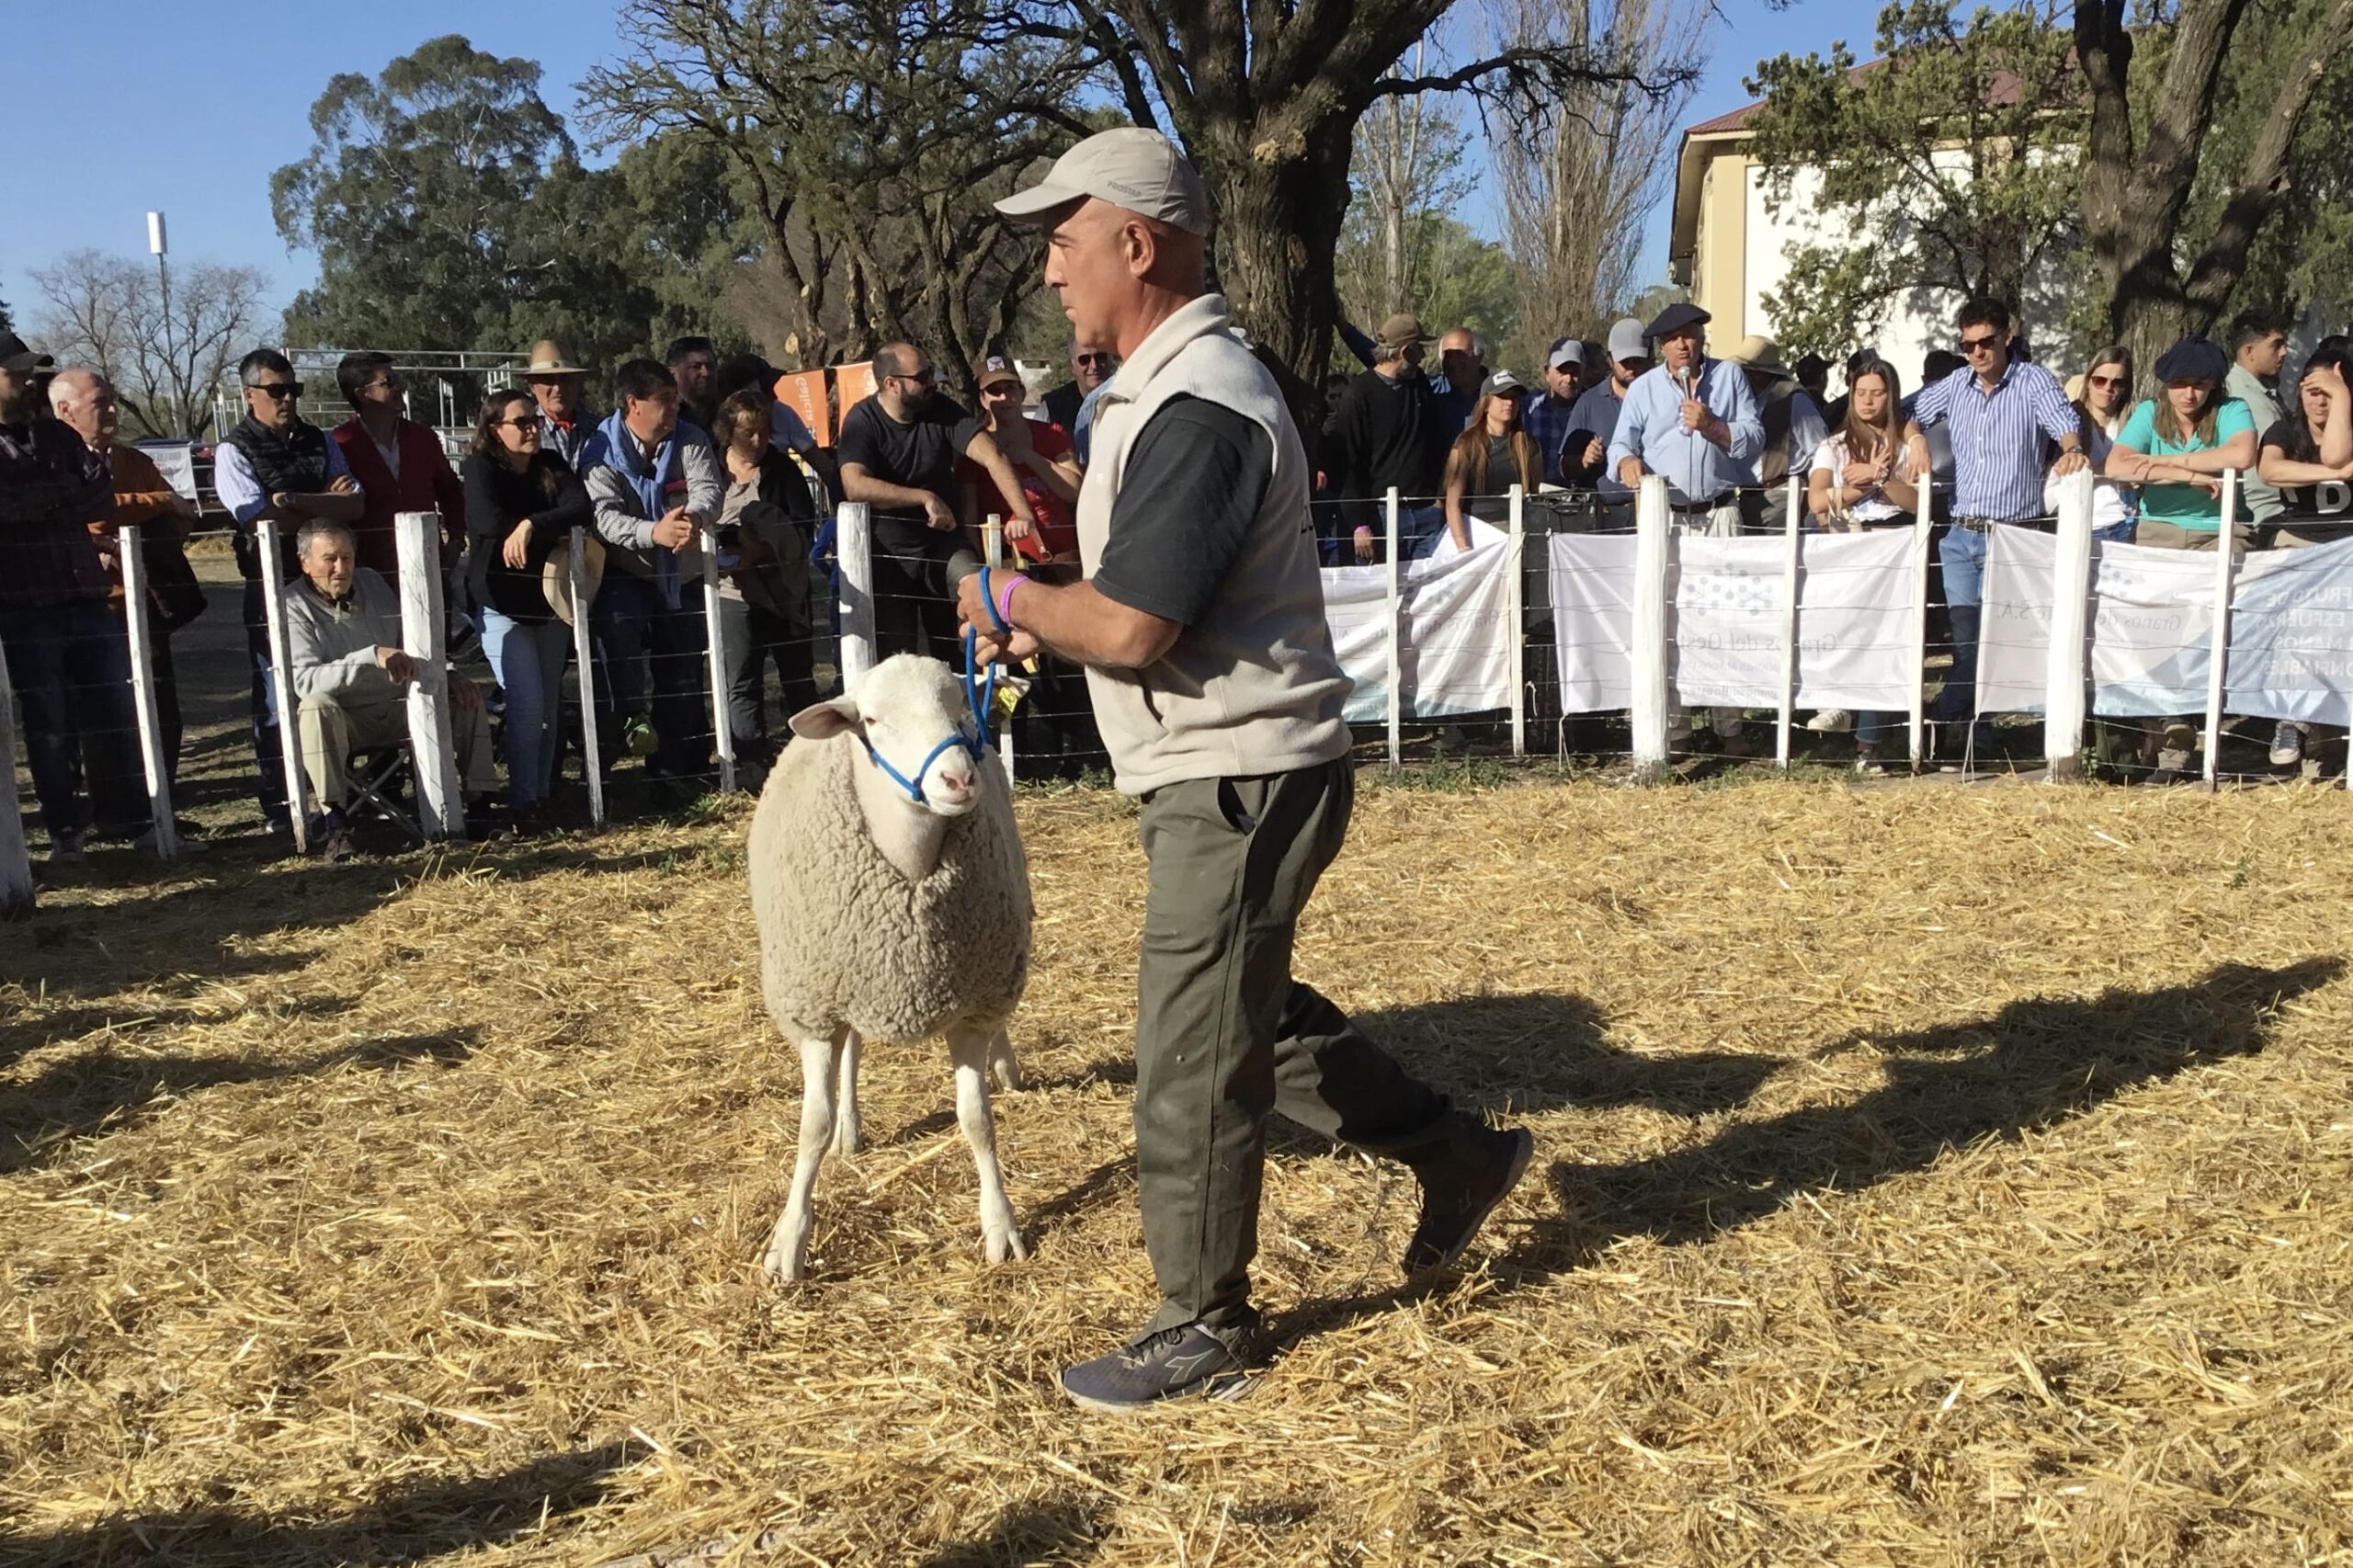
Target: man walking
point(1999, 408)
point(1201, 625)
point(276, 466)
point(66, 652)
point(1693, 420)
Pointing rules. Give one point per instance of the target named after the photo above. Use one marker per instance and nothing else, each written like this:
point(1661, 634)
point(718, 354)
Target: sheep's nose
point(958, 784)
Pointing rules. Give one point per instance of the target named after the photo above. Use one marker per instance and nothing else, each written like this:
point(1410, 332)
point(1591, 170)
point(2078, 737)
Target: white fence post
point(143, 692)
point(584, 655)
point(1923, 524)
point(440, 808)
point(993, 545)
point(854, 562)
point(2071, 590)
point(2226, 535)
point(1650, 706)
point(281, 687)
point(1396, 654)
point(16, 865)
point(715, 648)
point(1516, 619)
point(1788, 623)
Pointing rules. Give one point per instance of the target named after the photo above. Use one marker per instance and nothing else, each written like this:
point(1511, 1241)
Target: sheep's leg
point(1002, 1066)
point(972, 1050)
point(849, 1137)
point(787, 1256)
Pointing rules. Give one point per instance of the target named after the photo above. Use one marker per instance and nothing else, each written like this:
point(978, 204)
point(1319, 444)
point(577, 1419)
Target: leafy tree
point(1950, 164)
point(1409, 163)
point(1459, 280)
point(107, 313)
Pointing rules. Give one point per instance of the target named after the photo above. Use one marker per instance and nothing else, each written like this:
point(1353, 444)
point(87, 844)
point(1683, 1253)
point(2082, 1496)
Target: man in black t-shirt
point(898, 454)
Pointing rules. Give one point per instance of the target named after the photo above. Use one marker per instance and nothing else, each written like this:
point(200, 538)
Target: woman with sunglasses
point(522, 500)
point(1493, 453)
point(2176, 446)
point(2102, 396)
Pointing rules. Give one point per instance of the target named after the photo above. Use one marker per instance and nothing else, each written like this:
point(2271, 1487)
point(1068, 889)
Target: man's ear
point(827, 720)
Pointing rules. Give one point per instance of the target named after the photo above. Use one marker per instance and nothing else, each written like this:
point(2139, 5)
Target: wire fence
point(1562, 625)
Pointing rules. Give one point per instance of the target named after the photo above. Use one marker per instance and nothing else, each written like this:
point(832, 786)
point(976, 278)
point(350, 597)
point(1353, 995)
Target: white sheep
point(892, 901)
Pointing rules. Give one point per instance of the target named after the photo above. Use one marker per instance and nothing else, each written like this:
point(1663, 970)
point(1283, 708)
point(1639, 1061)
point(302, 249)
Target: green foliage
point(1465, 280)
point(1958, 156)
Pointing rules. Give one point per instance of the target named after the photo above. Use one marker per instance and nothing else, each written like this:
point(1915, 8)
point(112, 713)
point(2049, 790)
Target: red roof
point(2005, 91)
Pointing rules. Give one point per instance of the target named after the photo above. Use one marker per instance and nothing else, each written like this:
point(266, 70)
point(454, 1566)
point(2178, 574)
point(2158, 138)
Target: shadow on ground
point(409, 1524)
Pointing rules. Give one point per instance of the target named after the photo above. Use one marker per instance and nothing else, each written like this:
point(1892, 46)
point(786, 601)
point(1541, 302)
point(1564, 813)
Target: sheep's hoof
point(787, 1261)
point(1007, 1072)
point(1005, 1247)
point(848, 1140)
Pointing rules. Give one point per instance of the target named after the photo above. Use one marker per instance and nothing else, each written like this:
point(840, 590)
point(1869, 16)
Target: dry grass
point(1923, 1177)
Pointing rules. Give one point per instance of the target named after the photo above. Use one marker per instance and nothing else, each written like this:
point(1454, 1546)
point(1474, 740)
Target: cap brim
point(29, 364)
point(1040, 201)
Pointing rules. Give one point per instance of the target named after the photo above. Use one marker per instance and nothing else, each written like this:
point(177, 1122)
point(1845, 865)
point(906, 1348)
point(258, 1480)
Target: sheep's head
point(916, 724)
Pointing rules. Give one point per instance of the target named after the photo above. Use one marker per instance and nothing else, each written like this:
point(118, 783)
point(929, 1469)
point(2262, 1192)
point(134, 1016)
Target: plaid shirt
point(1546, 419)
point(52, 487)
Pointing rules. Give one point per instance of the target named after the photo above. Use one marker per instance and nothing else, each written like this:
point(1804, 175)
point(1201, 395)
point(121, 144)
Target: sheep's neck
point(909, 835)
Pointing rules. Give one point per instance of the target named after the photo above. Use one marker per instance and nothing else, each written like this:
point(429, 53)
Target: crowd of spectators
point(698, 452)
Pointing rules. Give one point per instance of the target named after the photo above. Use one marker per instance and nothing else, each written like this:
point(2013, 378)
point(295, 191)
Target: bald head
point(904, 379)
point(1120, 274)
point(84, 400)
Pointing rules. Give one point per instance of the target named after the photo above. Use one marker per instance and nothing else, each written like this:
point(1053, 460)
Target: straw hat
point(548, 358)
point(555, 577)
point(1761, 355)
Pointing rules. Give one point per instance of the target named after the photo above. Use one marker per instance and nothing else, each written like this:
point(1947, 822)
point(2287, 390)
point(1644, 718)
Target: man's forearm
point(1083, 626)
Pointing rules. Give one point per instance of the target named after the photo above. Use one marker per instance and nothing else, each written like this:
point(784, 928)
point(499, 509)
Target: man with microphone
point(1693, 421)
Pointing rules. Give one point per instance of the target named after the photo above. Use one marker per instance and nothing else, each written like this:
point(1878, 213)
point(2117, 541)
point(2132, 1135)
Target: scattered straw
point(1948, 1177)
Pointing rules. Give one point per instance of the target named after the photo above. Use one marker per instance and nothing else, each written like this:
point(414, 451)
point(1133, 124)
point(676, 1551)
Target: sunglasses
point(274, 390)
point(1984, 345)
point(2104, 381)
point(1090, 358)
point(529, 422)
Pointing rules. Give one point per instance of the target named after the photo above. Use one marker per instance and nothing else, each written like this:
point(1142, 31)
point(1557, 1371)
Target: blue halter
point(980, 698)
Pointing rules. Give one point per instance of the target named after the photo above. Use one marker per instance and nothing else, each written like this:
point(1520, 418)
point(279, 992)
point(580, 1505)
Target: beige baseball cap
point(1138, 170)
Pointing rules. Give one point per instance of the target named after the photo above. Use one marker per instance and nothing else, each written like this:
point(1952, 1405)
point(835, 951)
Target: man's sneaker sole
point(1512, 1175)
point(1226, 1387)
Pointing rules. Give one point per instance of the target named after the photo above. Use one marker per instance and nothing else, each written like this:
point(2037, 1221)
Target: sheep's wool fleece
point(846, 938)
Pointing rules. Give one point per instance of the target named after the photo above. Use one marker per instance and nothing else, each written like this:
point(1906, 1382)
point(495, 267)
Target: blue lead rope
point(982, 700)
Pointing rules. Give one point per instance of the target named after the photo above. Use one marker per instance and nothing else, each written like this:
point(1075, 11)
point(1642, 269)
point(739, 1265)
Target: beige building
point(1730, 251)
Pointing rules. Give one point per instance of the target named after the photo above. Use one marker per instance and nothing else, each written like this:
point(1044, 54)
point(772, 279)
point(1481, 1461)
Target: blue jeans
point(71, 671)
point(528, 656)
point(1963, 556)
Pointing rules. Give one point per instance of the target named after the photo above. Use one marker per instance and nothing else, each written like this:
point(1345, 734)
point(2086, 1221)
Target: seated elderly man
point(343, 642)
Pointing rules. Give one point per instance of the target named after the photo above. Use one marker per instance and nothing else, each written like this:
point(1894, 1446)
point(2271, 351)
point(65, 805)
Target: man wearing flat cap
point(1693, 420)
point(1200, 622)
point(1389, 430)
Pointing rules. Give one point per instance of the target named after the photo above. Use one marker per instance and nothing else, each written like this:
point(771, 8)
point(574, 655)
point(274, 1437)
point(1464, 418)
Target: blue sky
point(190, 107)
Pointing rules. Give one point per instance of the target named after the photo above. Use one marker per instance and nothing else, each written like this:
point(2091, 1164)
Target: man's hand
point(1696, 417)
point(1012, 649)
point(938, 514)
point(1364, 544)
point(1630, 472)
point(1921, 461)
point(676, 527)
point(343, 484)
point(1020, 527)
point(395, 664)
point(1595, 450)
point(2069, 462)
point(516, 553)
point(973, 609)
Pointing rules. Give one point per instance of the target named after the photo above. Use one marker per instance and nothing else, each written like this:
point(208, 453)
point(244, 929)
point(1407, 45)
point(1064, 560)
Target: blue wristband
point(988, 597)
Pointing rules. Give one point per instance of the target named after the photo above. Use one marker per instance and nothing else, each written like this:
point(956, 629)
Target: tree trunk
point(1280, 202)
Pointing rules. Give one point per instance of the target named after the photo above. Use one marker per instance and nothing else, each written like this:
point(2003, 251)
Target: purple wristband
point(1004, 598)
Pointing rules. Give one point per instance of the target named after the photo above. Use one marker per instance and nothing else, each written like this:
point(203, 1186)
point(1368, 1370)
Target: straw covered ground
point(1925, 1175)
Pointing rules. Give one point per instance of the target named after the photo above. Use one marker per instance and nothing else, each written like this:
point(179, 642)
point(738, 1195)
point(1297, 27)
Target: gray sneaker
point(1188, 1361)
point(2287, 744)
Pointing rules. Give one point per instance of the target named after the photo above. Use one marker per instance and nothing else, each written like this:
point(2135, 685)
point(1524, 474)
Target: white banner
point(2292, 635)
point(1727, 624)
point(1454, 649)
point(2152, 624)
point(177, 461)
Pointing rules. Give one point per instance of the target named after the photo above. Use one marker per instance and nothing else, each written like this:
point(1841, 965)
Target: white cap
point(1568, 351)
point(1138, 170)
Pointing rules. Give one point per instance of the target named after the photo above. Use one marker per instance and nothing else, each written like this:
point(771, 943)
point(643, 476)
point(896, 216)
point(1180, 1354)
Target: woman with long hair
point(2176, 446)
point(765, 524)
point(522, 500)
point(2103, 396)
point(1861, 479)
point(1493, 453)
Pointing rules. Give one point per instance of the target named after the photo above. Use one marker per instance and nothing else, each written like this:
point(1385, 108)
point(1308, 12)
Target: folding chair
point(377, 779)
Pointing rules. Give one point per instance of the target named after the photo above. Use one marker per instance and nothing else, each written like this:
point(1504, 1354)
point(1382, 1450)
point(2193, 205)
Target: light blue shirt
point(1650, 426)
point(1081, 436)
point(241, 493)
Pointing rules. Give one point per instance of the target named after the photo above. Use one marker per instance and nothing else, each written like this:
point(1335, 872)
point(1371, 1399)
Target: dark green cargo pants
point(1224, 1035)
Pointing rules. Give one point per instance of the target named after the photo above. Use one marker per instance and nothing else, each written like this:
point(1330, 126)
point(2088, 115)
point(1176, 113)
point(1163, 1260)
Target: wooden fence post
point(1650, 683)
point(281, 688)
point(715, 649)
point(1516, 619)
point(584, 655)
point(1396, 614)
point(2224, 565)
point(1789, 546)
point(854, 562)
point(142, 692)
point(2071, 588)
point(440, 808)
point(1923, 525)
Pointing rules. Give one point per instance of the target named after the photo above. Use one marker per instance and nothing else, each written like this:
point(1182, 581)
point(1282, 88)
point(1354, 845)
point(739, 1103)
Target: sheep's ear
point(827, 720)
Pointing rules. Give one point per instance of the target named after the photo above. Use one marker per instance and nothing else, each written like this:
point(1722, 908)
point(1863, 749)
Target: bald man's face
point(87, 403)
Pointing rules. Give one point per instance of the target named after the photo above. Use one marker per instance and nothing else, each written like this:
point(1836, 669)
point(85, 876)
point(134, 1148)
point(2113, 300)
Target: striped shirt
point(1998, 461)
point(1546, 419)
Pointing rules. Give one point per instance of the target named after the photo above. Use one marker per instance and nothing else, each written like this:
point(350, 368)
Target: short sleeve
point(858, 443)
point(1830, 457)
point(2140, 431)
point(2285, 434)
point(2234, 419)
point(1189, 492)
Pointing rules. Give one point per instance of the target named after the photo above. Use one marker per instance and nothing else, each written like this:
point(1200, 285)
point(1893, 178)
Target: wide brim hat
point(1761, 355)
point(548, 358)
point(555, 577)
